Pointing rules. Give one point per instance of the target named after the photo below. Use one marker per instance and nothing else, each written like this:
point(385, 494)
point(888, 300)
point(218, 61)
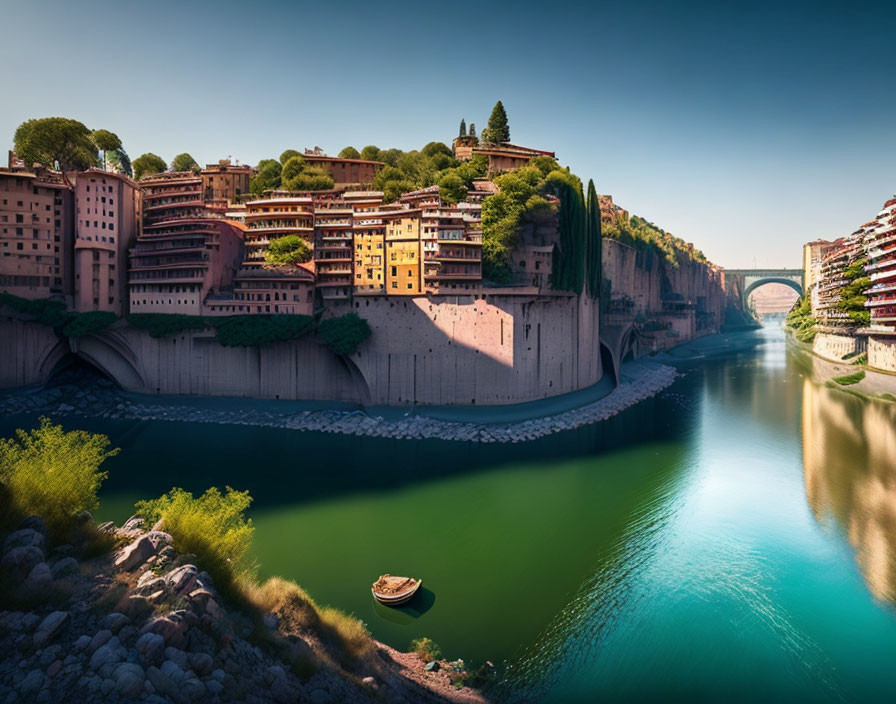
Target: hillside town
point(199, 243)
point(849, 310)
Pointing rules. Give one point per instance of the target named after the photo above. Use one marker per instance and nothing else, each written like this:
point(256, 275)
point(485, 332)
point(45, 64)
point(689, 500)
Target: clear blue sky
point(747, 128)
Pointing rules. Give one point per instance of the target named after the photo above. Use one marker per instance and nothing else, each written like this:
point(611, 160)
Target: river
point(732, 538)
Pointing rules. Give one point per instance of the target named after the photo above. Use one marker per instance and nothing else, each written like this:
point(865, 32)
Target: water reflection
point(849, 462)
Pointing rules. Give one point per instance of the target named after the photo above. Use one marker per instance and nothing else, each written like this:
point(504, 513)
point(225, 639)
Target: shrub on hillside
point(162, 324)
point(343, 334)
point(52, 473)
point(213, 527)
point(850, 379)
point(88, 323)
point(426, 649)
point(261, 330)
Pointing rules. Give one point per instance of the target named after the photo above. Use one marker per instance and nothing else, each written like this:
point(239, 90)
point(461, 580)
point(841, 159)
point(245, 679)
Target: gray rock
point(178, 657)
point(81, 643)
point(151, 646)
point(65, 567)
point(104, 655)
point(50, 627)
point(182, 580)
point(129, 679)
point(107, 527)
point(114, 621)
point(30, 621)
point(34, 523)
point(99, 640)
point(39, 578)
point(201, 663)
point(48, 655)
point(193, 688)
point(163, 685)
point(19, 561)
point(133, 523)
point(214, 687)
point(282, 691)
point(128, 635)
point(23, 538)
point(320, 696)
point(135, 554)
point(218, 675)
point(33, 681)
point(107, 685)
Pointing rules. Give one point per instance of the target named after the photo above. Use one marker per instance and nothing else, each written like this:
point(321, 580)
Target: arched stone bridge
point(740, 283)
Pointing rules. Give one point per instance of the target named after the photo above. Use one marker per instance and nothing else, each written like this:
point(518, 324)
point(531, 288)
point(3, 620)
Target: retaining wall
point(835, 347)
point(882, 353)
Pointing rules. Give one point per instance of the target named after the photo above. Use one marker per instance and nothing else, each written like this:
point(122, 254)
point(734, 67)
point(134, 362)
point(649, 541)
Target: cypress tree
point(472, 129)
point(594, 250)
point(498, 129)
point(569, 263)
point(463, 128)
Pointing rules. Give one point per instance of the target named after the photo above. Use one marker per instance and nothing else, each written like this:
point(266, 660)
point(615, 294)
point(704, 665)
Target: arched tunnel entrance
point(771, 297)
point(608, 364)
point(74, 370)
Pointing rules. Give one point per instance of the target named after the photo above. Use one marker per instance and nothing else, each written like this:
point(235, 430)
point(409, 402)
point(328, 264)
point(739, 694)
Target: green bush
point(343, 334)
point(53, 474)
point(850, 379)
point(162, 324)
point(426, 649)
point(213, 527)
point(288, 250)
point(260, 330)
point(88, 323)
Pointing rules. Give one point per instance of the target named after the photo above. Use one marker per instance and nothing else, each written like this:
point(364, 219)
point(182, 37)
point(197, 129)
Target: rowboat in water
point(393, 591)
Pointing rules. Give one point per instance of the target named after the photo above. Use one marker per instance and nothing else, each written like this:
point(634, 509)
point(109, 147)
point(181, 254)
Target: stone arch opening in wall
point(772, 280)
point(608, 364)
point(110, 354)
point(357, 378)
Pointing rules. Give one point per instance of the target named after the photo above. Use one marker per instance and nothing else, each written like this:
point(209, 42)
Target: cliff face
point(669, 304)
point(487, 349)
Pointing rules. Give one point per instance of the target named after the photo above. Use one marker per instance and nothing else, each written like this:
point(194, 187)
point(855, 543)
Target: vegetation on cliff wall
point(51, 312)
point(643, 235)
point(344, 334)
point(800, 320)
point(594, 245)
point(852, 295)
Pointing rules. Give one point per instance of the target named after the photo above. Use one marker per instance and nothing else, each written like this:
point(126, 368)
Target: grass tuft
point(426, 649)
point(849, 379)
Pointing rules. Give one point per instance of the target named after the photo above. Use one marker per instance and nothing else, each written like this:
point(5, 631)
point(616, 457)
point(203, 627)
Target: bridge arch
point(111, 354)
point(773, 280)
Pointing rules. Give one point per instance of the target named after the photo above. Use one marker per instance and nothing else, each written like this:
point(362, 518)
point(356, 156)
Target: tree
point(311, 178)
point(55, 142)
point(185, 162)
point(292, 167)
point(370, 152)
point(287, 155)
point(498, 130)
point(288, 250)
point(105, 141)
point(434, 148)
point(148, 164)
point(463, 128)
point(267, 176)
point(119, 161)
point(349, 153)
point(452, 187)
point(594, 244)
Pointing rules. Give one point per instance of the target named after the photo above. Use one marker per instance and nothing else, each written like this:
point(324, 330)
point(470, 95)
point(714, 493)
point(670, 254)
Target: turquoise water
point(731, 539)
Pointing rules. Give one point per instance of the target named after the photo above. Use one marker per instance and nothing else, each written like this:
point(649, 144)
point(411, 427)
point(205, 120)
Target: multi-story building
point(502, 156)
point(346, 173)
point(36, 233)
point(106, 207)
point(333, 249)
point(368, 236)
point(833, 279)
point(225, 182)
point(261, 290)
point(183, 254)
point(403, 253)
point(268, 219)
point(880, 245)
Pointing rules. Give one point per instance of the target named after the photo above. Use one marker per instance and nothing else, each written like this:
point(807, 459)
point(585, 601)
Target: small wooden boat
point(393, 591)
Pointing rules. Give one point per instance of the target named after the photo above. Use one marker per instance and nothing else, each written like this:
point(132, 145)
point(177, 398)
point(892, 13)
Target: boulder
point(39, 578)
point(50, 627)
point(178, 657)
point(201, 663)
point(129, 679)
point(34, 523)
point(105, 655)
point(32, 683)
point(135, 554)
point(182, 580)
point(100, 639)
point(65, 567)
point(19, 561)
point(151, 646)
point(114, 621)
point(133, 523)
point(23, 538)
point(107, 527)
point(171, 629)
point(81, 643)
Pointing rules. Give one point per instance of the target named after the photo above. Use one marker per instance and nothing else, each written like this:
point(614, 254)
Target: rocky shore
point(103, 399)
point(144, 624)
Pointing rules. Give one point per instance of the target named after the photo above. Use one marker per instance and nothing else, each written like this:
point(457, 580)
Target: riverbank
point(875, 385)
point(640, 379)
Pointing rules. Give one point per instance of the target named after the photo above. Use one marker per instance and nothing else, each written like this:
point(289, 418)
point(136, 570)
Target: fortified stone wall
point(882, 353)
point(488, 349)
point(645, 278)
point(835, 347)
